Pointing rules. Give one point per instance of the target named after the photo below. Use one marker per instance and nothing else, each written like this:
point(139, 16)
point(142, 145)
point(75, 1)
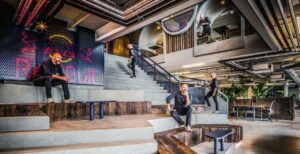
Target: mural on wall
point(25, 50)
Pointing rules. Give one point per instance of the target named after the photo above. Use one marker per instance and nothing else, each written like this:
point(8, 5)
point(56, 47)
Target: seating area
point(149, 77)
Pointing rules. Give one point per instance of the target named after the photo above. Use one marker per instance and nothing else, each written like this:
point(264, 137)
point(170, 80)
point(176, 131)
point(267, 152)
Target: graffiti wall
point(22, 50)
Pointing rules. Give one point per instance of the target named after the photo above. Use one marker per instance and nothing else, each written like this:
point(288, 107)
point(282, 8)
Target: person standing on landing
point(213, 92)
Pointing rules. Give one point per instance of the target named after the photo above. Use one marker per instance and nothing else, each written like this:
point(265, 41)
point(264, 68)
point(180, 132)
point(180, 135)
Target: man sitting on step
point(182, 106)
point(50, 74)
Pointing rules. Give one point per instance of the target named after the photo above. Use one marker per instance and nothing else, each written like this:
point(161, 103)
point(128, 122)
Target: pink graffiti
point(89, 76)
point(25, 66)
point(29, 44)
point(85, 54)
point(70, 72)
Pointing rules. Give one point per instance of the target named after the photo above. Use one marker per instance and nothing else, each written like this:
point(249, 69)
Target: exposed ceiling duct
point(293, 75)
point(277, 77)
point(135, 13)
point(263, 68)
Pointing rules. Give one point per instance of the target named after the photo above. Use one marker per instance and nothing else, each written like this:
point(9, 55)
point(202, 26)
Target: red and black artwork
point(24, 51)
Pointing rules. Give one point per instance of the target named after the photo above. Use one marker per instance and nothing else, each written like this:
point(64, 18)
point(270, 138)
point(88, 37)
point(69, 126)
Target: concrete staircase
point(135, 140)
point(117, 77)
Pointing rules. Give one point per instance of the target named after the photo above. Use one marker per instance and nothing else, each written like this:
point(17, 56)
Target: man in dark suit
point(50, 74)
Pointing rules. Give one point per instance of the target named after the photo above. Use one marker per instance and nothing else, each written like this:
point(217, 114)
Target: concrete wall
point(175, 60)
point(11, 93)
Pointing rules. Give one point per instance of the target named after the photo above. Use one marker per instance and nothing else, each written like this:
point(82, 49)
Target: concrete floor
point(109, 122)
point(207, 148)
point(264, 137)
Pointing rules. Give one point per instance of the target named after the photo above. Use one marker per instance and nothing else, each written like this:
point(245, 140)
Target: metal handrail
point(157, 65)
point(223, 95)
point(158, 70)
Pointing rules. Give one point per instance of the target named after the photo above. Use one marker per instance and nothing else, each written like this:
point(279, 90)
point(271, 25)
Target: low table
point(218, 136)
point(101, 110)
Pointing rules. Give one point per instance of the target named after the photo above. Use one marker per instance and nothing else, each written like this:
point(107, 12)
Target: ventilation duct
point(263, 68)
point(293, 75)
point(277, 77)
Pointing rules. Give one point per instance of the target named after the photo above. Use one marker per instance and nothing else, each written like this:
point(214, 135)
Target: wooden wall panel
point(181, 41)
point(62, 111)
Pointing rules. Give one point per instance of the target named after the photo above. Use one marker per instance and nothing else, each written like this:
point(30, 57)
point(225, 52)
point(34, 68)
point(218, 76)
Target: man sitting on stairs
point(182, 106)
point(50, 74)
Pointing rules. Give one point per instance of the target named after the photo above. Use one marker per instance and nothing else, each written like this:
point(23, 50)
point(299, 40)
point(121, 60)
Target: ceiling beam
point(78, 21)
point(153, 19)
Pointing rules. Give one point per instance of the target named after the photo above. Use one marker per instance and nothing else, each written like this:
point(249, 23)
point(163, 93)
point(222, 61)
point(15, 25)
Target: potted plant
point(260, 90)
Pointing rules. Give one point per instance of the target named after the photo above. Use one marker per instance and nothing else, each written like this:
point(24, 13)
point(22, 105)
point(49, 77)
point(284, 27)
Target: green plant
point(243, 91)
point(233, 92)
point(260, 90)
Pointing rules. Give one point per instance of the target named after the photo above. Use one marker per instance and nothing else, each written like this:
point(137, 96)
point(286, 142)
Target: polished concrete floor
point(109, 122)
point(264, 137)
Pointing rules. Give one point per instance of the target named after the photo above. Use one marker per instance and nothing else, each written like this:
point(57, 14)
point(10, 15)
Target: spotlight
point(42, 26)
point(223, 2)
point(157, 27)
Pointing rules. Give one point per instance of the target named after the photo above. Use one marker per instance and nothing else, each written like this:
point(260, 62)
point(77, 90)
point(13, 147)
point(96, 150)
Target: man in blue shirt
point(182, 106)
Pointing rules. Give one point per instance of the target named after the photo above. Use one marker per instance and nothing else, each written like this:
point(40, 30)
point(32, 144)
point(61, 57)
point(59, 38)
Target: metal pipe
point(24, 11)
point(294, 21)
point(78, 21)
point(18, 9)
point(268, 56)
point(271, 20)
point(34, 12)
point(268, 30)
point(286, 24)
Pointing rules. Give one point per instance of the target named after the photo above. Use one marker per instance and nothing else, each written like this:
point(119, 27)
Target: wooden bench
point(218, 136)
point(101, 110)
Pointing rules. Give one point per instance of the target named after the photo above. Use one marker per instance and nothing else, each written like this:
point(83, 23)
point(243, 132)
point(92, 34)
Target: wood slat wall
point(63, 111)
point(181, 41)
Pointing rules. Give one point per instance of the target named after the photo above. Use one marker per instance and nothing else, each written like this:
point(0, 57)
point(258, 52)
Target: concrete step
point(146, 146)
point(130, 81)
point(118, 70)
point(24, 123)
point(134, 85)
point(128, 75)
point(35, 139)
point(145, 90)
point(32, 94)
point(131, 87)
point(161, 94)
point(137, 79)
point(155, 98)
point(159, 102)
point(153, 95)
point(168, 123)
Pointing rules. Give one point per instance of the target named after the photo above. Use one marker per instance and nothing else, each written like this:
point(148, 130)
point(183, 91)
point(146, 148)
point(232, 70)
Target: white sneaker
point(69, 100)
point(217, 111)
point(188, 128)
point(50, 100)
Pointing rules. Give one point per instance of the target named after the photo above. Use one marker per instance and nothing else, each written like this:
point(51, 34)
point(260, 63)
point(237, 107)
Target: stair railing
point(159, 74)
